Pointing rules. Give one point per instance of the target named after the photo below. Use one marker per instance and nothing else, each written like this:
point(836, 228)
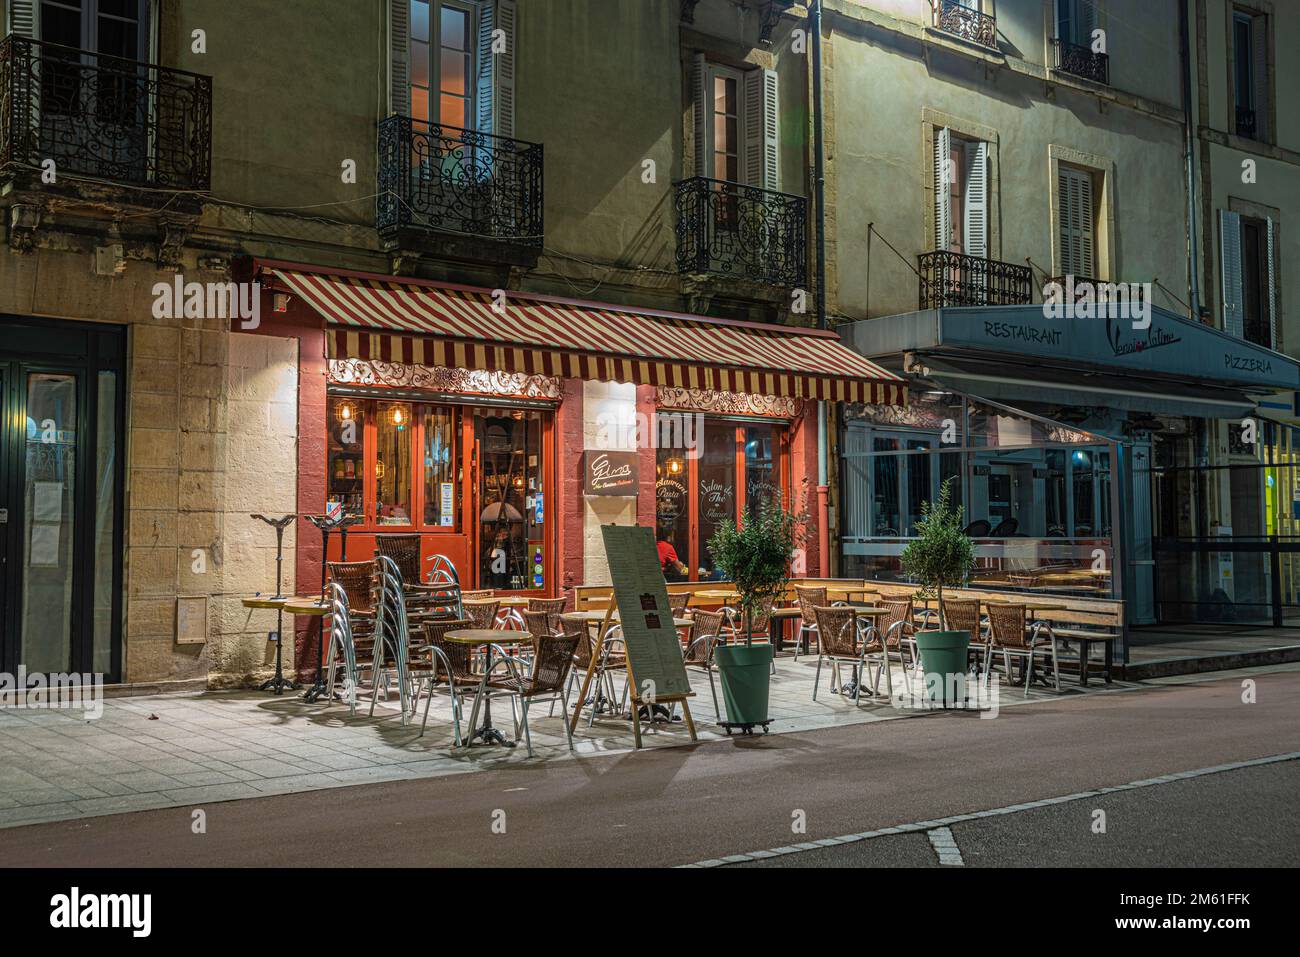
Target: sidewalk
point(195, 748)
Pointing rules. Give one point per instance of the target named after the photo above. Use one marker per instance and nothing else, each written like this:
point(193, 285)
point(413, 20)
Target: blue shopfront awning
point(1020, 353)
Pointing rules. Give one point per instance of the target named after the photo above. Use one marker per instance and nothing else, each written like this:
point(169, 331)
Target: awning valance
point(421, 323)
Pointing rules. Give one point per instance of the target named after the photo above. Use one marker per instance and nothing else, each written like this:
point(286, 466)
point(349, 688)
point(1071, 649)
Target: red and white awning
point(422, 323)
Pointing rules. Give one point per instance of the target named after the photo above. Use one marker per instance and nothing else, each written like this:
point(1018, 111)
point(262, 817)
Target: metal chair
point(706, 632)
point(678, 602)
point(899, 630)
point(482, 615)
point(342, 646)
point(807, 599)
point(541, 622)
point(439, 652)
point(1010, 633)
point(963, 614)
point(552, 661)
point(391, 634)
point(841, 643)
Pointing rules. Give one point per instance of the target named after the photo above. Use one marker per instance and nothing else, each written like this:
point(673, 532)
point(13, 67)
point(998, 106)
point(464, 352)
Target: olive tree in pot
point(756, 557)
point(941, 555)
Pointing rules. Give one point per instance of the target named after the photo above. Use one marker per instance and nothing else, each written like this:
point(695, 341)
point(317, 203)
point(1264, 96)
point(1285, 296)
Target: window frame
point(472, 13)
point(1260, 17)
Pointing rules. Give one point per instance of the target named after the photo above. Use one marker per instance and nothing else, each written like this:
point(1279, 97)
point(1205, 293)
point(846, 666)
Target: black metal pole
point(279, 682)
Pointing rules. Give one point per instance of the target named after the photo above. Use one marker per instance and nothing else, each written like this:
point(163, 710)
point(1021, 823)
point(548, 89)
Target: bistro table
point(488, 637)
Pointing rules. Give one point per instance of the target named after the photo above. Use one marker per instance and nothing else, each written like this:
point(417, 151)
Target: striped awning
point(421, 323)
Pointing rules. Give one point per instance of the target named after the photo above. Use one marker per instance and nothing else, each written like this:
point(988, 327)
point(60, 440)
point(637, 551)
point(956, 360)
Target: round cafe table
point(488, 637)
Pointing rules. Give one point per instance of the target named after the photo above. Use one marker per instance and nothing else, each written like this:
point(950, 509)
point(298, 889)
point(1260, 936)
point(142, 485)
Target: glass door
point(511, 502)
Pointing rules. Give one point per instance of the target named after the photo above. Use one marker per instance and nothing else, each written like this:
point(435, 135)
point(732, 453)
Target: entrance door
point(60, 509)
point(511, 516)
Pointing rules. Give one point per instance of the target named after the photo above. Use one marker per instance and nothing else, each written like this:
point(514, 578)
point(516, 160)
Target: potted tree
point(756, 557)
point(941, 555)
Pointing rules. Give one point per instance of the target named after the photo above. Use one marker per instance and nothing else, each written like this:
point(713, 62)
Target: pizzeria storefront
point(505, 431)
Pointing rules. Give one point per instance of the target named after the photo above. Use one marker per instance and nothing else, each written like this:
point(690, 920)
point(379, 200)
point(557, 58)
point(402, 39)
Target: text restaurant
point(501, 431)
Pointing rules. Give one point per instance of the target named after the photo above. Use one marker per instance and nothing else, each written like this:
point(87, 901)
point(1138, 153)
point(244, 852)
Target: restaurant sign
point(609, 473)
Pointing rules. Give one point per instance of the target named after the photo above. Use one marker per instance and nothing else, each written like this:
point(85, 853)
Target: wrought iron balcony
point(1245, 122)
point(959, 19)
point(955, 279)
point(1081, 61)
point(743, 232)
point(104, 117)
point(447, 179)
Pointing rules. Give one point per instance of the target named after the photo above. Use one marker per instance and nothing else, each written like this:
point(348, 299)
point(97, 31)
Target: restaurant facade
point(1100, 455)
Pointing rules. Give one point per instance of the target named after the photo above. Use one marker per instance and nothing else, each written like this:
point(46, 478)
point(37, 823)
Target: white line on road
point(945, 822)
point(945, 845)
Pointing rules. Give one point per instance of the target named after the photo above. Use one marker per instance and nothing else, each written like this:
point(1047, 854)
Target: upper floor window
point(961, 194)
point(1247, 251)
point(1250, 89)
point(1077, 222)
point(736, 134)
point(453, 63)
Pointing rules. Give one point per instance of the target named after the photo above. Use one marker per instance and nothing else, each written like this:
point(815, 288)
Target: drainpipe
point(819, 199)
point(1189, 157)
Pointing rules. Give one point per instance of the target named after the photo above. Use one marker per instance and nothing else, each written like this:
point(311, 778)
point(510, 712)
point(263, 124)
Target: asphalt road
point(679, 805)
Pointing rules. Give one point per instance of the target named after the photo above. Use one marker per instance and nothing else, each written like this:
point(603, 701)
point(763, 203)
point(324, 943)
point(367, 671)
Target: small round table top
point(306, 606)
point(867, 611)
point(266, 601)
point(716, 594)
point(485, 636)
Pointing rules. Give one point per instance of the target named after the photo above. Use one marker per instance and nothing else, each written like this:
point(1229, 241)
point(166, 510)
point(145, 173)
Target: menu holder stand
point(279, 682)
point(326, 526)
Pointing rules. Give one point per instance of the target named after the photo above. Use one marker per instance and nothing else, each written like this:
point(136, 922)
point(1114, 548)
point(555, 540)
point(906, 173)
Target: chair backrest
point(357, 579)
point(552, 661)
point(481, 593)
point(760, 626)
point(538, 623)
point(482, 615)
point(547, 604)
point(978, 528)
point(459, 656)
point(835, 630)
point(341, 635)
point(404, 551)
point(705, 624)
point(678, 601)
point(1007, 625)
point(900, 610)
point(808, 599)
point(442, 571)
point(392, 631)
point(962, 614)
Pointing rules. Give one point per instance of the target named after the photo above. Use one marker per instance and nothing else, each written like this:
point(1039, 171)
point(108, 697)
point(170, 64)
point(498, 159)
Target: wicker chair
point(706, 632)
point(441, 599)
point(482, 615)
point(807, 599)
point(1012, 634)
point(677, 601)
point(543, 622)
point(454, 659)
point(477, 595)
point(899, 629)
point(963, 614)
point(357, 580)
point(555, 605)
point(392, 637)
point(840, 643)
point(552, 661)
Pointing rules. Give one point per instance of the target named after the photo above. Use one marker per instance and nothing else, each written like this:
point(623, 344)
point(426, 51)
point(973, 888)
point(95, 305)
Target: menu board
point(653, 652)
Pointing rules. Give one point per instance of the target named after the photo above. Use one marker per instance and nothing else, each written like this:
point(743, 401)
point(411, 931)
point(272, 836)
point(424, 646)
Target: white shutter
point(484, 69)
point(23, 19)
point(703, 113)
point(1077, 219)
point(399, 54)
point(1230, 254)
point(503, 71)
point(1085, 20)
point(1259, 69)
point(761, 130)
point(1270, 295)
point(942, 187)
point(975, 210)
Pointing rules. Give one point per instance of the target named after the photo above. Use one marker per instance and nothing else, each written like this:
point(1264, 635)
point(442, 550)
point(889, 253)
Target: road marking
point(945, 822)
point(945, 845)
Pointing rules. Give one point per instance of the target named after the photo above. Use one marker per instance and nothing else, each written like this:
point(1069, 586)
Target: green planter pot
point(943, 655)
point(745, 671)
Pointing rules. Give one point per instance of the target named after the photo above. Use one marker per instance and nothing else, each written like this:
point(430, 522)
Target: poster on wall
point(446, 502)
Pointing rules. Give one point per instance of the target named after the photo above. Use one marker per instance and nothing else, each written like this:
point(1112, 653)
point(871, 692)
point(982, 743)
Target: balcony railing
point(104, 117)
point(955, 279)
point(959, 19)
point(452, 180)
point(740, 231)
point(1246, 122)
point(1081, 61)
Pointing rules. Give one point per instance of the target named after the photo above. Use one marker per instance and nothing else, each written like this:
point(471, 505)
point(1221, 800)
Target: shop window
point(393, 464)
point(1249, 73)
point(439, 468)
point(346, 463)
point(886, 488)
point(737, 468)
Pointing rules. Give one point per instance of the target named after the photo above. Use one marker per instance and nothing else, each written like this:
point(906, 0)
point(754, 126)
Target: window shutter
point(22, 18)
point(399, 54)
point(700, 95)
point(1230, 253)
point(761, 130)
point(976, 205)
point(503, 71)
point(942, 204)
point(484, 72)
point(1077, 222)
point(1270, 296)
point(1259, 69)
